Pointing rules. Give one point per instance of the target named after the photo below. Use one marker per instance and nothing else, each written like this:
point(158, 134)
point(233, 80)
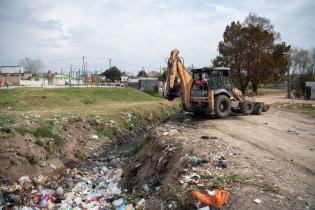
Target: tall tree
point(142, 73)
point(113, 74)
point(253, 53)
point(31, 65)
point(301, 63)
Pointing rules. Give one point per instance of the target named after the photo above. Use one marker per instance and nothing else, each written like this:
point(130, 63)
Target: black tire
point(266, 107)
point(222, 106)
point(247, 107)
point(258, 108)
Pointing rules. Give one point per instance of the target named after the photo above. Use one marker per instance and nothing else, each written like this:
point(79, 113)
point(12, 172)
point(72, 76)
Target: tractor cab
point(216, 79)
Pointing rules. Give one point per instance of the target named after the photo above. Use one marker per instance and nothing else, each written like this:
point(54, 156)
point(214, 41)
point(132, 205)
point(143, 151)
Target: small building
point(124, 78)
point(149, 85)
point(11, 75)
point(310, 90)
point(154, 74)
point(60, 79)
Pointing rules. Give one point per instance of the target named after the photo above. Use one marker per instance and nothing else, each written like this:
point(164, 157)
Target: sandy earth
point(281, 146)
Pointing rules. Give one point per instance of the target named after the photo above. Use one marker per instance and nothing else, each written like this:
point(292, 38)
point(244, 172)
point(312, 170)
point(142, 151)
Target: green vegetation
point(22, 130)
point(77, 154)
point(43, 131)
point(36, 99)
point(32, 159)
point(48, 132)
point(109, 132)
point(39, 142)
point(7, 130)
point(135, 149)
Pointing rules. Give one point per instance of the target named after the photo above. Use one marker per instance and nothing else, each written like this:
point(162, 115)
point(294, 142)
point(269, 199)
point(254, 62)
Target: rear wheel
point(258, 108)
point(247, 107)
point(222, 106)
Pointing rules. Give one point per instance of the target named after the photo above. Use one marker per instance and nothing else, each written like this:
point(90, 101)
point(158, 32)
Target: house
point(154, 74)
point(124, 78)
point(60, 79)
point(11, 75)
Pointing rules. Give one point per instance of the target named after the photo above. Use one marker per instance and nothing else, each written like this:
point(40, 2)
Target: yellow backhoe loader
point(208, 90)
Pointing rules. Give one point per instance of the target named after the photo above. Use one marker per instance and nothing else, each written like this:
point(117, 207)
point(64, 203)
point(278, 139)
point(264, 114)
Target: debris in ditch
point(192, 178)
point(92, 185)
point(217, 198)
point(222, 163)
point(140, 204)
point(172, 205)
point(204, 208)
point(194, 160)
point(258, 201)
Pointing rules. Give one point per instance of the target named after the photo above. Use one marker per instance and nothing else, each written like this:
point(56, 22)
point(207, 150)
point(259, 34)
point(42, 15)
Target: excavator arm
point(175, 66)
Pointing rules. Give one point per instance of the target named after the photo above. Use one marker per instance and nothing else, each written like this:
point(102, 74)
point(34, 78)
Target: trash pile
point(94, 185)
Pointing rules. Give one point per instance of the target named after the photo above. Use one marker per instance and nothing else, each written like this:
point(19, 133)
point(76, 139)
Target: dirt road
point(280, 143)
point(270, 157)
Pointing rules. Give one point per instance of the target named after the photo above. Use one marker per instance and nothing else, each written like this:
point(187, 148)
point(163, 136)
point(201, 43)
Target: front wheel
point(222, 106)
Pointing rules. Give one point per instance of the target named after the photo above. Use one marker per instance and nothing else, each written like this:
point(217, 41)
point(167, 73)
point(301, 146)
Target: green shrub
point(59, 139)
point(32, 159)
point(43, 131)
point(39, 142)
point(135, 149)
point(109, 132)
point(22, 130)
point(77, 154)
point(47, 132)
point(7, 130)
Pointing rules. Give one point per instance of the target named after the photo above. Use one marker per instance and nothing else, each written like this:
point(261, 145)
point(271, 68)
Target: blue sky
point(137, 33)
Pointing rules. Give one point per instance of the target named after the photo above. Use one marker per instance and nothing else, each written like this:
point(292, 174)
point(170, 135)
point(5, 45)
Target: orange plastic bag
point(219, 198)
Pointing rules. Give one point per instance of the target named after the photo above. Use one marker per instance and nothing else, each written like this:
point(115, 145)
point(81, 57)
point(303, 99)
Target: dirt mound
point(154, 171)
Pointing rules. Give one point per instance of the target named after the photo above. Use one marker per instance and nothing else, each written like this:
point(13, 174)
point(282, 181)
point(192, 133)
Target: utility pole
point(110, 63)
point(160, 69)
point(83, 70)
point(70, 75)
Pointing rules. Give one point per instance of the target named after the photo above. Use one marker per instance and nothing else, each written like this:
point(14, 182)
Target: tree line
point(256, 55)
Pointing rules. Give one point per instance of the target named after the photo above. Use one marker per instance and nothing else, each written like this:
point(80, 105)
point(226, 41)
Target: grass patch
point(32, 159)
point(135, 149)
point(7, 130)
point(31, 99)
point(77, 154)
point(39, 142)
point(43, 131)
point(22, 130)
point(109, 132)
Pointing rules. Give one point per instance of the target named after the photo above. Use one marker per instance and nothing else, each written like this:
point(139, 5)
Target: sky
point(136, 34)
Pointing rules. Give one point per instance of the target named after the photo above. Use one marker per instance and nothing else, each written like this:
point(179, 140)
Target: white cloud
point(137, 32)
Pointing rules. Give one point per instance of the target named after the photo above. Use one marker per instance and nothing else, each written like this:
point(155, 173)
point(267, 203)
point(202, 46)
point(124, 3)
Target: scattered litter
point(216, 199)
point(93, 185)
point(222, 163)
point(94, 136)
point(194, 160)
point(146, 188)
point(189, 179)
point(172, 205)
point(257, 201)
point(140, 204)
point(204, 208)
